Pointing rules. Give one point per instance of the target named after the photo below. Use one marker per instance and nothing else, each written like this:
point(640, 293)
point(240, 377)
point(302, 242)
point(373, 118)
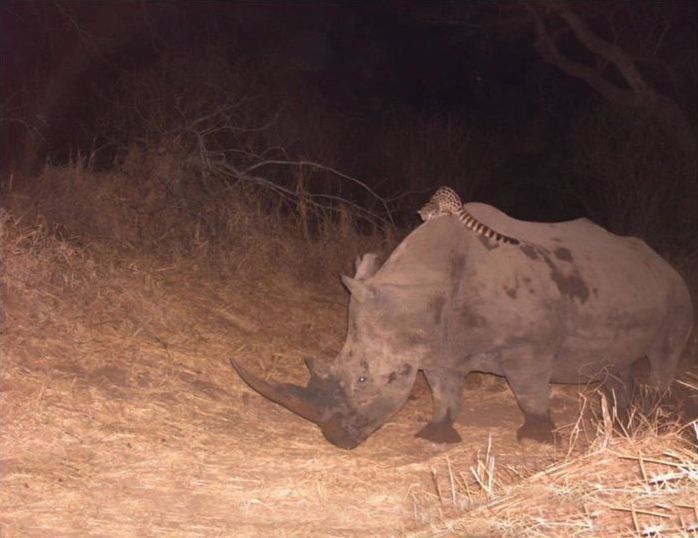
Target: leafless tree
point(635, 54)
point(613, 71)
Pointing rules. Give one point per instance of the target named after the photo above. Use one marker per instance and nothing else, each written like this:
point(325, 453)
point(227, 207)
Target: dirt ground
point(121, 415)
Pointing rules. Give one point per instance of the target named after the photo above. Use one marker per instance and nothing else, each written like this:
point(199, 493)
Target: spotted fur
point(446, 201)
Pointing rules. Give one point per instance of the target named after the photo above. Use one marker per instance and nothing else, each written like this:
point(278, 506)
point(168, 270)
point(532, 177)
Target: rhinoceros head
point(370, 379)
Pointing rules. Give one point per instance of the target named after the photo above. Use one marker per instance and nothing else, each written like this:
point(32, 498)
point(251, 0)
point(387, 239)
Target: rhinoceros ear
point(366, 266)
point(358, 289)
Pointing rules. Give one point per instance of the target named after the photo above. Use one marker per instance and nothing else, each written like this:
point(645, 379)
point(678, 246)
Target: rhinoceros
point(569, 303)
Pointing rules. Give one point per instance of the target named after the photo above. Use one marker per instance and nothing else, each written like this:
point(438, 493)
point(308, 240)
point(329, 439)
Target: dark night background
point(405, 96)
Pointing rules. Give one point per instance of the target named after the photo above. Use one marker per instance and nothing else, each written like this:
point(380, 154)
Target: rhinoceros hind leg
point(619, 388)
point(530, 382)
point(440, 432)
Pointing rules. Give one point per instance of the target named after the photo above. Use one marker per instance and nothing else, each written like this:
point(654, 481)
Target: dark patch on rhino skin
point(572, 286)
point(488, 243)
point(457, 273)
point(403, 371)
point(529, 251)
point(564, 254)
point(471, 319)
point(363, 364)
point(435, 305)
point(511, 292)
point(412, 338)
point(457, 267)
point(595, 291)
point(516, 341)
point(528, 281)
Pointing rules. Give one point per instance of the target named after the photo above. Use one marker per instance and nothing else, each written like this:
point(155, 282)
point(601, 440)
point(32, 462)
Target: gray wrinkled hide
point(571, 302)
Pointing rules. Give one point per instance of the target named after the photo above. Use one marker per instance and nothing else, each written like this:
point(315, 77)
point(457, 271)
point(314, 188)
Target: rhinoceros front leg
point(447, 398)
point(528, 372)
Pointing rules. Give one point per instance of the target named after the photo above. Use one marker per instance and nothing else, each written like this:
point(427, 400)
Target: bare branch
point(326, 169)
point(639, 93)
point(291, 195)
point(603, 48)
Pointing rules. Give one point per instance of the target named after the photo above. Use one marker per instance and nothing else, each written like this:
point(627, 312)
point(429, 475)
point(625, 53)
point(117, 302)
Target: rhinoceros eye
point(362, 379)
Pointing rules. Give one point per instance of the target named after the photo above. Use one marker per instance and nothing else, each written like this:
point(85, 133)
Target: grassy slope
point(122, 417)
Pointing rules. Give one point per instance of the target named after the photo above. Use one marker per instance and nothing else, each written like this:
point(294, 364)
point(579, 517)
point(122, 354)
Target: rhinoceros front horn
point(292, 397)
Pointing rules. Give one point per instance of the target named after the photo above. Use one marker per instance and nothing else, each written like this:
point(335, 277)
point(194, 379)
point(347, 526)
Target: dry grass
point(156, 207)
point(122, 417)
point(639, 484)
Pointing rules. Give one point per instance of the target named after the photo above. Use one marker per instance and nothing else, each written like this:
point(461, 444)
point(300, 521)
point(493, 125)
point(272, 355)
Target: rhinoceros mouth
point(338, 435)
point(320, 402)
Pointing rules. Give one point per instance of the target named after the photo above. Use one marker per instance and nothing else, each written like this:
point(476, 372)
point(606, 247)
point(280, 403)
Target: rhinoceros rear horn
point(292, 397)
point(366, 266)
